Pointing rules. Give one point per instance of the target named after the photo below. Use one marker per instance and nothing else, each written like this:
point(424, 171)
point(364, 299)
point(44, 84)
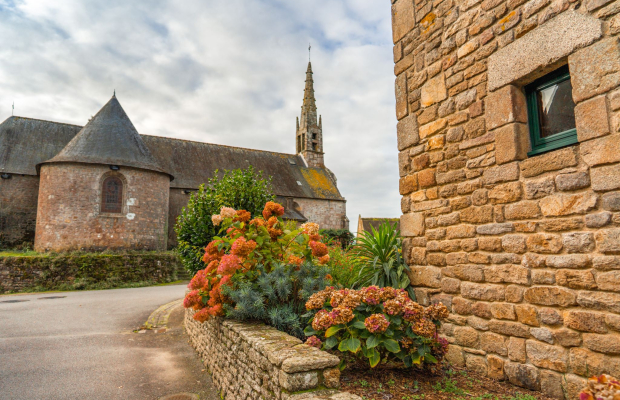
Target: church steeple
point(309, 126)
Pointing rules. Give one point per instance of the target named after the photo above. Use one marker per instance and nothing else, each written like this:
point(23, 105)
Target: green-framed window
point(551, 112)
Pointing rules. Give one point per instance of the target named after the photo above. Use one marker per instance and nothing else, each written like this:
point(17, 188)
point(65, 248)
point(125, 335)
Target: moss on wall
point(30, 271)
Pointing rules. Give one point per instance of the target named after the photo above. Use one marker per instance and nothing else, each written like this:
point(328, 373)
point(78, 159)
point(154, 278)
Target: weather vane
point(13, 109)
point(309, 48)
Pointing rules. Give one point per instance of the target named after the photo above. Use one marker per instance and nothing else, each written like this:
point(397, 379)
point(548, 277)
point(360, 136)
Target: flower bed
point(254, 361)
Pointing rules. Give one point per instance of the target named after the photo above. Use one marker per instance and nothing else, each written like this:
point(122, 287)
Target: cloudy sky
point(226, 71)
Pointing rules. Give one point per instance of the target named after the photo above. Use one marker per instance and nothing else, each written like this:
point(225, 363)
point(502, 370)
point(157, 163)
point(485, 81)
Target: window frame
point(563, 139)
point(103, 208)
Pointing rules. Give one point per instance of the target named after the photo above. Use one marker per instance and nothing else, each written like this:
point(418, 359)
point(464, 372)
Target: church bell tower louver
point(309, 137)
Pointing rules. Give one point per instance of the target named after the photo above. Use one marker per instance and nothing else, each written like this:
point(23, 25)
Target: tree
point(240, 189)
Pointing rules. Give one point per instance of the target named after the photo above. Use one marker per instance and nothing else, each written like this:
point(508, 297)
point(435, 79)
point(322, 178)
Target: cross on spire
point(309, 48)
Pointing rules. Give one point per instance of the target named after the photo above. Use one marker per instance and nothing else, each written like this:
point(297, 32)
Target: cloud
point(228, 72)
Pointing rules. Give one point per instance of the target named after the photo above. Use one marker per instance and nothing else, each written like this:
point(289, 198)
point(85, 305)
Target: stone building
point(67, 187)
point(509, 155)
point(366, 224)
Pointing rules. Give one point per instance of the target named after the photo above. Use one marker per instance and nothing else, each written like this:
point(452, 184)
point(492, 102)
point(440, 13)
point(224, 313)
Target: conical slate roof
point(109, 138)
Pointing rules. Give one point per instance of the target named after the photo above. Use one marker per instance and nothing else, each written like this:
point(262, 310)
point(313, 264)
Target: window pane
point(556, 109)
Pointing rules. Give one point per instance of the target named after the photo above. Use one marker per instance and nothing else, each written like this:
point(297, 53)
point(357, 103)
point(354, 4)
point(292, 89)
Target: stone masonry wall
point(523, 250)
point(18, 209)
point(69, 213)
point(329, 214)
point(253, 361)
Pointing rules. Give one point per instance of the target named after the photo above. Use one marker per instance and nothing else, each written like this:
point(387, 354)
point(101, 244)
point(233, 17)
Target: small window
point(112, 195)
point(551, 112)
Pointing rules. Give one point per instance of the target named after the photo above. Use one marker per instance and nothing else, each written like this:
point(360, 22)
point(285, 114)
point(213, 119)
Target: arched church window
point(112, 195)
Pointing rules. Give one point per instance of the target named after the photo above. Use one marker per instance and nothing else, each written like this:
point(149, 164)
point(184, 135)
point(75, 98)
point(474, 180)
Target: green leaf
point(374, 358)
point(330, 342)
point(353, 345)
point(416, 359)
point(431, 358)
point(343, 346)
point(309, 331)
point(372, 341)
point(359, 325)
point(332, 331)
point(391, 345)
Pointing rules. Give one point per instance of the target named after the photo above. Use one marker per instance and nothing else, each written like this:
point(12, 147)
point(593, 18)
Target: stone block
point(412, 224)
point(575, 279)
point(434, 91)
point(495, 367)
point(599, 301)
point(514, 293)
point(606, 344)
point(613, 322)
point(466, 336)
point(543, 277)
point(501, 173)
point(591, 119)
point(505, 106)
point(609, 281)
point(604, 178)
point(552, 161)
point(598, 220)
point(578, 242)
point(516, 349)
point(461, 306)
point(544, 243)
point(427, 276)
point(298, 381)
point(539, 48)
point(567, 338)
point(585, 321)
point(509, 328)
point(527, 314)
point(606, 263)
point(523, 375)
point(547, 356)
point(488, 244)
point(550, 296)
point(527, 209)
point(478, 323)
point(506, 193)
point(608, 241)
point(567, 204)
point(432, 127)
point(455, 356)
point(476, 363)
point(514, 243)
point(402, 103)
point(495, 229)
point(595, 69)
point(426, 178)
point(503, 311)
point(483, 292)
point(460, 231)
point(550, 316)
point(573, 181)
point(539, 188)
point(551, 384)
point(507, 274)
point(603, 150)
point(542, 334)
point(611, 201)
point(331, 378)
point(569, 261)
point(477, 215)
point(561, 224)
point(482, 310)
point(408, 184)
point(403, 19)
point(407, 132)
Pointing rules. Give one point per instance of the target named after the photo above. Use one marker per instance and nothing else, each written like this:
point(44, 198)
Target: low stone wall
point(86, 271)
point(256, 361)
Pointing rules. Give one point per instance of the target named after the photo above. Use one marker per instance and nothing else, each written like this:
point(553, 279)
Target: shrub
point(260, 269)
point(379, 254)
point(342, 237)
point(343, 266)
point(377, 324)
point(239, 189)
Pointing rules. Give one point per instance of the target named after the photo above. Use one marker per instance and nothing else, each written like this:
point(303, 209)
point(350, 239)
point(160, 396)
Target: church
point(105, 186)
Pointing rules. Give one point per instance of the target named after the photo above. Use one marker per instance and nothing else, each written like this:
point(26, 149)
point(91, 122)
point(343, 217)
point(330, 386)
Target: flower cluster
point(383, 322)
point(246, 243)
point(603, 387)
point(314, 342)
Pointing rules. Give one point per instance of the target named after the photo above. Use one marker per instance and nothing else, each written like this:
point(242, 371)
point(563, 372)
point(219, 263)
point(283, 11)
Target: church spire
point(309, 127)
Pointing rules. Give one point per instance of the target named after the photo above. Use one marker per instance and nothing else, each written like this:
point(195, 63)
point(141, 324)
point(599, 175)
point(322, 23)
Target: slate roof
point(109, 138)
point(26, 142)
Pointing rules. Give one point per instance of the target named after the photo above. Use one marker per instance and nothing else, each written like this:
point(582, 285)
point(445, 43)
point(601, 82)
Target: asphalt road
point(82, 346)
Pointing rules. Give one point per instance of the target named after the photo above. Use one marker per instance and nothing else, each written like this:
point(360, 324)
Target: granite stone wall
point(524, 250)
point(329, 214)
point(253, 361)
point(69, 213)
point(18, 209)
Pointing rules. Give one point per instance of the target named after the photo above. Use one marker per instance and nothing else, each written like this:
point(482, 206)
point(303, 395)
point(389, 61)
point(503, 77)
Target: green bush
point(239, 189)
point(379, 254)
point(343, 237)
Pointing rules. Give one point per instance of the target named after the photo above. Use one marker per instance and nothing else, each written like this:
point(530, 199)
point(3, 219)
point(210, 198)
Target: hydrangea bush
point(602, 387)
point(259, 269)
point(377, 324)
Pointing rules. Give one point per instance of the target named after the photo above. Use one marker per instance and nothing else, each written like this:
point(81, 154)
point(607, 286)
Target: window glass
point(556, 109)
point(112, 195)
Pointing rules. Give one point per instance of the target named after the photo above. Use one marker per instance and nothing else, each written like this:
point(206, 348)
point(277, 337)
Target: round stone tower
point(104, 190)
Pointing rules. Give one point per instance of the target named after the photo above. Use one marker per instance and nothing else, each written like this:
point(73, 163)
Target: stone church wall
point(18, 209)
point(329, 214)
point(525, 251)
point(69, 216)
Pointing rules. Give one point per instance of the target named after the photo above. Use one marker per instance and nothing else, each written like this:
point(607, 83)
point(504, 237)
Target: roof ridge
point(44, 120)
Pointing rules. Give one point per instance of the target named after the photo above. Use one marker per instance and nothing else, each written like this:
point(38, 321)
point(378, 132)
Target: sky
point(228, 72)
